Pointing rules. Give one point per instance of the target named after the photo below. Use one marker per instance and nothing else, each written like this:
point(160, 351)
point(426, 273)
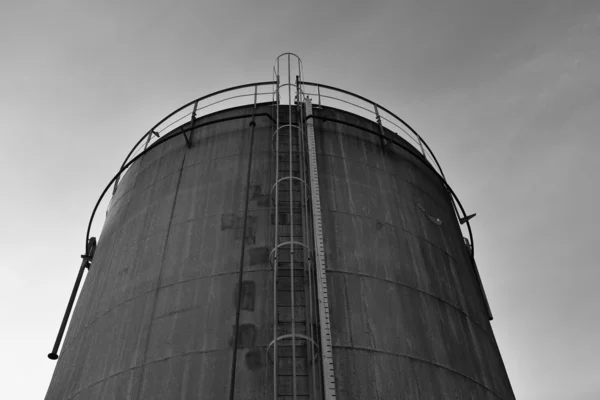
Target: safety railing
point(329, 96)
point(323, 95)
point(217, 101)
point(268, 92)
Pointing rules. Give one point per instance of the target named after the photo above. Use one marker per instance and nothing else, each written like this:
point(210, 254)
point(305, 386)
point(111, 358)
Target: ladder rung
point(285, 328)
point(285, 283)
point(286, 273)
point(285, 385)
point(284, 365)
point(284, 314)
point(284, 298)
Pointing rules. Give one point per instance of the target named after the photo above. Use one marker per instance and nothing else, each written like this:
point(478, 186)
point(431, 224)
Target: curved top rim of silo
point(253, 93)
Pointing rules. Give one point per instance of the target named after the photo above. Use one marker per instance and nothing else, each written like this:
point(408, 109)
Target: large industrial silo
point(280, 240)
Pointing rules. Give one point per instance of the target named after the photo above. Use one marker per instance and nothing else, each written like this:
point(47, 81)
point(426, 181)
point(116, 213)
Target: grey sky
point(507, 94)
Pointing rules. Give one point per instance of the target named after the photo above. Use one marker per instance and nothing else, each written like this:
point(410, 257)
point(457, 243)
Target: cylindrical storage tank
point(178, 301)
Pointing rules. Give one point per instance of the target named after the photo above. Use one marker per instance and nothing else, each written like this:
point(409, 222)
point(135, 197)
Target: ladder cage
point(295, 347)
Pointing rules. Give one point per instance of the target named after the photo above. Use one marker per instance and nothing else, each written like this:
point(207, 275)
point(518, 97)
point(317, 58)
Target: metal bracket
point(466, 219)
point(384, 142)
point(89, 252)
point(188, 142)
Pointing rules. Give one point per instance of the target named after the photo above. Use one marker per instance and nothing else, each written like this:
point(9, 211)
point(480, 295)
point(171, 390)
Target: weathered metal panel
point(404, 299)
point(156, 316)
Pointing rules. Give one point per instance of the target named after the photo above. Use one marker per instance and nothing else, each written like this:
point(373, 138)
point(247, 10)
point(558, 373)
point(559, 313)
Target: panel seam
point(140, 384)
point(366, 349)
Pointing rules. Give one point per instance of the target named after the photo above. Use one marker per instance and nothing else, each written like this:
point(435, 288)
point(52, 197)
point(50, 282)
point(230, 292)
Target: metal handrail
point(409, 135)
point(427, 154)
point(152, 132)
point(139, 147)
point(423, 148)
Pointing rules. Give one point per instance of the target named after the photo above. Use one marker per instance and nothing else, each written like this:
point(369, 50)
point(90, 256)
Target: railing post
point(422, 149)
point(384, 142)
point(319, 95)
point(115, 185)
point(147, 140)
point(188, 142)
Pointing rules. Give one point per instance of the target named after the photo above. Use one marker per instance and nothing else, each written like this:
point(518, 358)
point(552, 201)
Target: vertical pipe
point(276, 253)
point(306, 237)
point(54, 354)
point(320, 268)
point(242, 254)
point(275, 88)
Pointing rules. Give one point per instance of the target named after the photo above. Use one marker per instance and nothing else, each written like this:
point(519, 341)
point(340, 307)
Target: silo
point(280, 240)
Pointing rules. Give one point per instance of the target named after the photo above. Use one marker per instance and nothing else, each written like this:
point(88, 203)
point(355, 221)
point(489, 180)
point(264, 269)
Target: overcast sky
point(507, 94)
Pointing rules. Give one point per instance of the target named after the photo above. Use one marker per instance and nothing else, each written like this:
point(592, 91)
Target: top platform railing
point(329, 96)
point(221, 100)
point(322, 95)
point(266, 92)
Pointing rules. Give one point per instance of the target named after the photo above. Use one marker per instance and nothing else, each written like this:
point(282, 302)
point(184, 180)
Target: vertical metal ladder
point(297, 285)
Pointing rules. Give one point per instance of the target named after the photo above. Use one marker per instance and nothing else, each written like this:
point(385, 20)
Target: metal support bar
point(422, 148)
point(90, 251)
point(242, 254)
point(323, 302)
point(384, 143)
point(148, 137)
point(188, 141)
point(85, 263)
point(319, 94)
point(466, 218)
